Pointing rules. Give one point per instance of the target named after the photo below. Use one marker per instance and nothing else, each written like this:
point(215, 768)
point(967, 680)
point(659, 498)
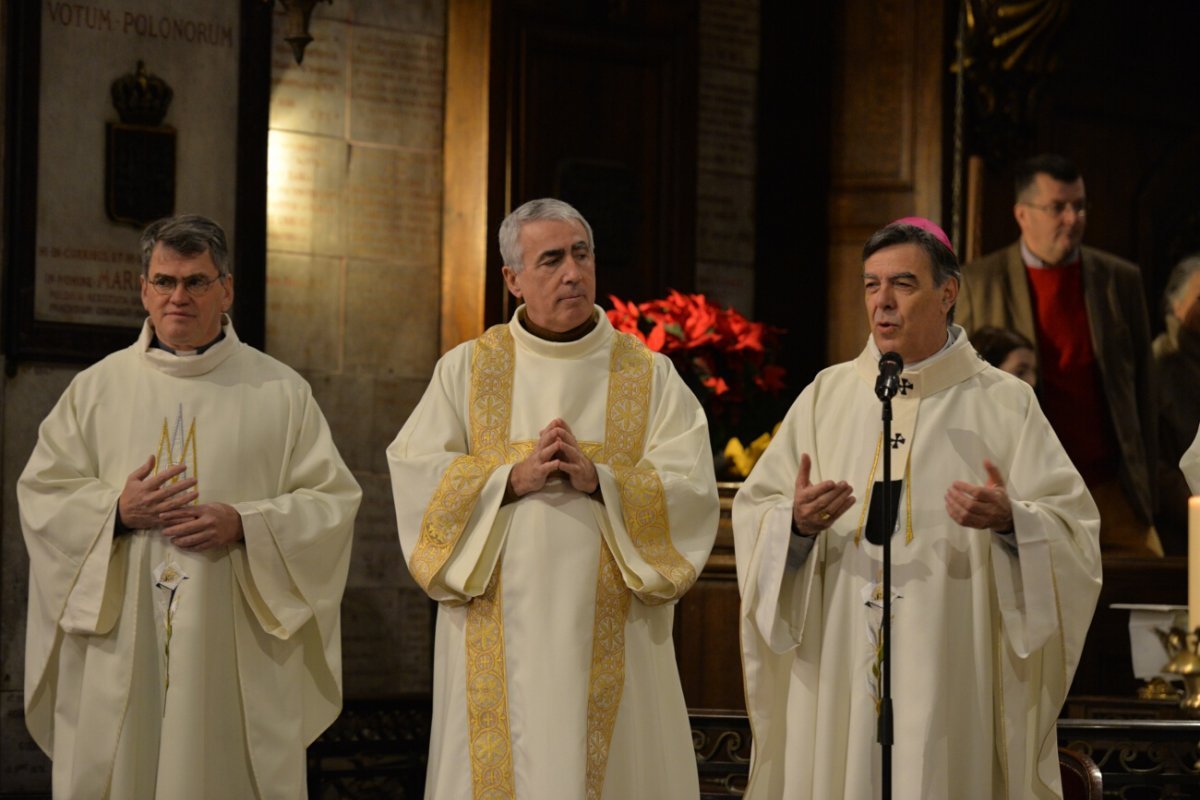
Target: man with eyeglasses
point(1086, 312)
point(188, 521)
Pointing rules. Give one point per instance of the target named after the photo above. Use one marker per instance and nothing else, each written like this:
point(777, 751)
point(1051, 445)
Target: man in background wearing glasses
point(1086, 312)
point(188, 521)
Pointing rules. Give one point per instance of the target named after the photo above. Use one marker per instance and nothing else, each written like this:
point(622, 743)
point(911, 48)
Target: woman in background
point(1008, 350)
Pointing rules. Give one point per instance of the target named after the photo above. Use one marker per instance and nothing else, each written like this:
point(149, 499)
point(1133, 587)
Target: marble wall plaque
point(397, 88)
point(418, 16)
point(366, 195)
point(311, 97)
point(95, 285)
point(306, 177)
point(80, 254)
point(395, 204)
point(304, 303)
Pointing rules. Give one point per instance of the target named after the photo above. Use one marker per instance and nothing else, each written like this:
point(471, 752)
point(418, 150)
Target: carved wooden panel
point(707, 644)
point(875, 82)
point(605, 119)
point(886, 142)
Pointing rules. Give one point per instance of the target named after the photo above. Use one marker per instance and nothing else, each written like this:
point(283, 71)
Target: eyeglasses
point(1058, 208)
point(195, 285)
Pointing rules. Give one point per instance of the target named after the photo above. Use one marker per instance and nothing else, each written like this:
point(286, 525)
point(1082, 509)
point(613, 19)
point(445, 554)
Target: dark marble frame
point(28, 339)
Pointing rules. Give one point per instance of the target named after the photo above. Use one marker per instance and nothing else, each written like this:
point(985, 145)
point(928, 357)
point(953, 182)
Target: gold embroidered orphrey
point(645, 515)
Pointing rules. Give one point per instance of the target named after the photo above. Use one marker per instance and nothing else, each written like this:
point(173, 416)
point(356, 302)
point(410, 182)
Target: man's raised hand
point(815, 507)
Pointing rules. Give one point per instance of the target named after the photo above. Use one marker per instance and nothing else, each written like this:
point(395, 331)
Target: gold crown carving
point(141, 98)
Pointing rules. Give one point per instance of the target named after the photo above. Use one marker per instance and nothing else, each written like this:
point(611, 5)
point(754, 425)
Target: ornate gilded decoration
point(1007, 50)
point(487, 696)
point(630, 370)
point(447, 515)
point(491, 394)
point(607, 680)
point(452, 503)
point(643, 502)
point(644, 505)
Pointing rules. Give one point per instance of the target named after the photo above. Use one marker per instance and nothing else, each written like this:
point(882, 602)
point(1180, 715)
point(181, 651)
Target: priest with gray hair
point(555, 495)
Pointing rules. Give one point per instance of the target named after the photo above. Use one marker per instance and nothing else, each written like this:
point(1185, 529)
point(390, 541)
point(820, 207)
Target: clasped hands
point(986, 507)
point(556, 450)
point(152, 501)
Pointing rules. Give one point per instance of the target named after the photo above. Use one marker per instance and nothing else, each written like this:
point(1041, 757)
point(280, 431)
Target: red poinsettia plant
point(725, 359)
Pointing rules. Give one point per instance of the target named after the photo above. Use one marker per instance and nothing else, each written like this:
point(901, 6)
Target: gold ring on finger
point(825, 516)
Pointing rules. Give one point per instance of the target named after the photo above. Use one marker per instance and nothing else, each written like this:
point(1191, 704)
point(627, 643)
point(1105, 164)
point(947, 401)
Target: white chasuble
point(554, 665)
point(986, 630)
point(156, 672)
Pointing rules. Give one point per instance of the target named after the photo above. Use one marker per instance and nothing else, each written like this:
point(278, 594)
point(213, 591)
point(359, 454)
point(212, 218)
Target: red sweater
point(1071, 389)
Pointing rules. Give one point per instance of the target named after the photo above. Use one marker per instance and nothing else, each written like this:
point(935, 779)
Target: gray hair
point(188, 235)
point(941, 258)
point(534, 210)
point(1178, 281)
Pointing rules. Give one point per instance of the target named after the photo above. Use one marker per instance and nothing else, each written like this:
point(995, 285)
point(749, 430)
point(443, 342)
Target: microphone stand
point(885, 732)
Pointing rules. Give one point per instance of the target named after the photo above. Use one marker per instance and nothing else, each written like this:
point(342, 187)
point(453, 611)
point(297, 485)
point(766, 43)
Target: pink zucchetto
point(927, 225)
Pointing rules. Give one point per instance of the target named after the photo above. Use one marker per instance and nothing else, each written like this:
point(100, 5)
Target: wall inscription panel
point(396, 88)
point(727, 206)
point(304, 295)
point(394, 204)
point(727, 151)
point(729, 33)
point(305, 185)
point(86, 267)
